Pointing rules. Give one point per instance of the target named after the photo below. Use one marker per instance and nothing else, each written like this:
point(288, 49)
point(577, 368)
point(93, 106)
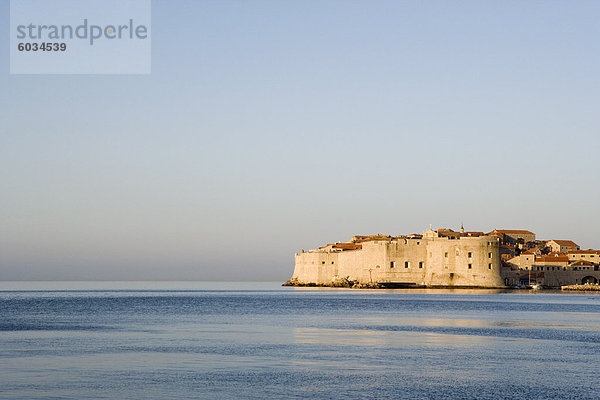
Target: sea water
point(166, 340)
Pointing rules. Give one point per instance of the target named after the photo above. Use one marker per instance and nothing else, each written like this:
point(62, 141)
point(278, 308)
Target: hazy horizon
point(268, 127)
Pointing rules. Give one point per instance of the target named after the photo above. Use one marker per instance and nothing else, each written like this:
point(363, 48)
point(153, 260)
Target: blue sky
point(267, 127)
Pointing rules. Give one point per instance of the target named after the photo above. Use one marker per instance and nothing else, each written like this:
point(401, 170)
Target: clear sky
point(271, 126)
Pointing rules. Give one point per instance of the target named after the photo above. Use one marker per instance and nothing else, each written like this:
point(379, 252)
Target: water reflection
point(420, 291)
point(379, 339)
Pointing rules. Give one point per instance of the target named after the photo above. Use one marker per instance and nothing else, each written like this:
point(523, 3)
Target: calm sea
point(166, 340)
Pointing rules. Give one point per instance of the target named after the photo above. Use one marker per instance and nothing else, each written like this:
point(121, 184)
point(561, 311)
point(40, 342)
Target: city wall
point(439, 261)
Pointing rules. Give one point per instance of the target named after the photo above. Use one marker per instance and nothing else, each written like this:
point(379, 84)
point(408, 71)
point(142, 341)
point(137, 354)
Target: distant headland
point(444, 258)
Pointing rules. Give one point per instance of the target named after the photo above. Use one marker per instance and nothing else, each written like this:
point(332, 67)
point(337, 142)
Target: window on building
point(322, 262)
point(420, 264)
point(446, 254)
point(391, 264)
point(470, 266)
point(406, 264)
point(489, 255)
point(332, 262)
point(489, 266)
point(418, 243)
point(469, 254)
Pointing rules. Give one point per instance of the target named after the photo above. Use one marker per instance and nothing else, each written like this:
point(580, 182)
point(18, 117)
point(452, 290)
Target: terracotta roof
point(589, 251)
point(556, 253)
point(530, 251)
point(362, 238)
point(552, 258)
point(347, 246)
point(582, 263)
point(375, 237)
point(342, 246)
point(517, 231)
point(569, 243)
point(448, 233)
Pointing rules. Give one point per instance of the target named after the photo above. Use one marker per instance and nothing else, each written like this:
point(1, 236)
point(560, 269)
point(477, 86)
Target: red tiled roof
point(582, 263)
point(589, 251)
point(516, 231)
point(530, 251)
point(445, 232)
point(347, 246)
point(568, 243)
point(556, 253)
point(362, 238)
point(342, 246)
point(552, 258)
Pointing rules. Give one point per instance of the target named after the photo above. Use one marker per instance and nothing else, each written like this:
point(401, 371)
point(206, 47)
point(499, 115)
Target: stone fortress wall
point(431, 259)
point(445, 258)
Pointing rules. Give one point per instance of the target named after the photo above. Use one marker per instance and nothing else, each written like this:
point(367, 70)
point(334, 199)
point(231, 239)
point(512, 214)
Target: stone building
point(590, 255)
point(513, 236)
point(553, 270)
point(436, 258)
point(445, 258)
point(523, 261)
point(562, 246)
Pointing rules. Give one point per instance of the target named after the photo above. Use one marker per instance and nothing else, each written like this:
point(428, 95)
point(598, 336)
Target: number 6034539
point(44, 46)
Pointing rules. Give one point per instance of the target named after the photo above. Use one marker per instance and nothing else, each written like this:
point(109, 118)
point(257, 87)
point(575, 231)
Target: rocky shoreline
point(340, 283)
point(581, 288)
point(349, 284)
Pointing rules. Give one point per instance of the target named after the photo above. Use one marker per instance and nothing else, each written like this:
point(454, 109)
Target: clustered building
point(447, 258)
point(550, 263)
